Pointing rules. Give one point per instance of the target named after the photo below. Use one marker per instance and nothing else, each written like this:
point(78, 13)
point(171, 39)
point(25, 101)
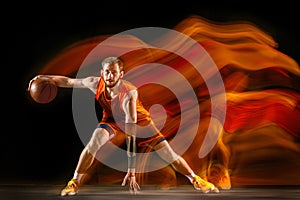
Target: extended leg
point(165, 151)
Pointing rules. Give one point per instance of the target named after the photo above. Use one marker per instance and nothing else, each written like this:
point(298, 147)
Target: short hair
point(113, 60)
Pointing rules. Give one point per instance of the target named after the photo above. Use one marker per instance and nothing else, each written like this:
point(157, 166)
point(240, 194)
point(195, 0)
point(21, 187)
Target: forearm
point(62, 81)
point(130, 129)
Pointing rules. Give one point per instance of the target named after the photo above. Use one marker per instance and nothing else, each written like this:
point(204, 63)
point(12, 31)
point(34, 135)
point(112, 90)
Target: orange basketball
point(42, 90)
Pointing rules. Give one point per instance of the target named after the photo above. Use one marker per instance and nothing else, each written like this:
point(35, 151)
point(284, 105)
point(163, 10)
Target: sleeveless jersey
point(112, 108)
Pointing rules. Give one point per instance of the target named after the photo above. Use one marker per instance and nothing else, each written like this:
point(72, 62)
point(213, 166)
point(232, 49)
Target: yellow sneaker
point(71, 188)
point(204, 186)
point(219, 176)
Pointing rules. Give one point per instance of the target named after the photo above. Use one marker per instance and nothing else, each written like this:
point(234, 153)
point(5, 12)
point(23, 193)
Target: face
point(111, 74)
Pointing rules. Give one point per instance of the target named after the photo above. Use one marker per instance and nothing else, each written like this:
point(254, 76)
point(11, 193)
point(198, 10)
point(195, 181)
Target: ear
point(101, 72)
point(122, 74)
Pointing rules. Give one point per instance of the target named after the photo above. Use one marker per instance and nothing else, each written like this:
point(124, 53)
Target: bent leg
point(87, 156)
point(86, 159)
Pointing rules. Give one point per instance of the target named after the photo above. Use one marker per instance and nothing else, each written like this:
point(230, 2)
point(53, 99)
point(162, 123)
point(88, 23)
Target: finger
point(31, 81)
point(133, 190)
point(138, 186)
point(132, 187)
point(124, 181)
point(123, 184)
point(29, 85)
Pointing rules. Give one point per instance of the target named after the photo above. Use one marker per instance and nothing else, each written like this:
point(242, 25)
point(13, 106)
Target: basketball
point(42, 90)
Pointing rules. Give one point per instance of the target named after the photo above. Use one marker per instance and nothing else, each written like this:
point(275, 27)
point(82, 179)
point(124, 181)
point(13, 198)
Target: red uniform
point(113, 118)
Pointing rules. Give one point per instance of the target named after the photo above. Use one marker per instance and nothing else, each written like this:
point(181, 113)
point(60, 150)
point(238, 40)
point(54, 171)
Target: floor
point(93, 192)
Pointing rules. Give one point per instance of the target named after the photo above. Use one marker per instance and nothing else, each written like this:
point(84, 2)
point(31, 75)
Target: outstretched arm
point(129, 106)
point(67, 82)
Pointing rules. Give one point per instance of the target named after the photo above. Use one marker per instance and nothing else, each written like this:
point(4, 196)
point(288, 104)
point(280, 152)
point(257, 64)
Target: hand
point(133, 185)
point(30, 83)
point(35, 78)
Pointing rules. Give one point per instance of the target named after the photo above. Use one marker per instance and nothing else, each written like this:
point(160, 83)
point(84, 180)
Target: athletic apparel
point(204, 186)
point(113, 116)
point(71, 188)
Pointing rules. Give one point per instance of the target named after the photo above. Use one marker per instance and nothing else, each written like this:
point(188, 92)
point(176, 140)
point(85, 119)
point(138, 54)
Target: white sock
point(191, 176)
point(77, 176)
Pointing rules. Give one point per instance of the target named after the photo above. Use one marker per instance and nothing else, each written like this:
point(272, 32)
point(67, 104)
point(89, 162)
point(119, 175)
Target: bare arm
point(129, 106)
point(67, 82)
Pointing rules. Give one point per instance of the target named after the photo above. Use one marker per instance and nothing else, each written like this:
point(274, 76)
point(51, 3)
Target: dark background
point(39, 143)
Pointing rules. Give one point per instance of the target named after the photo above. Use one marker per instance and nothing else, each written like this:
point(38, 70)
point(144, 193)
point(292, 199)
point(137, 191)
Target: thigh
point(99, 138)
point(149, 136)
point(116, 135)
point(166, 152)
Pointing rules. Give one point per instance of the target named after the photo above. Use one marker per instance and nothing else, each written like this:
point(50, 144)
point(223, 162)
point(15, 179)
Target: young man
point(121, 105)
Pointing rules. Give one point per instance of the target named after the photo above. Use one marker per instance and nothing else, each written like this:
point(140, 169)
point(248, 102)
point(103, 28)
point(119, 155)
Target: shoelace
point(71, 184)
point(199, 181)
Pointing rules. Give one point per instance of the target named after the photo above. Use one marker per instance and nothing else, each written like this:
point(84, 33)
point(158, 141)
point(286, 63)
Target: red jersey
point(112, 108)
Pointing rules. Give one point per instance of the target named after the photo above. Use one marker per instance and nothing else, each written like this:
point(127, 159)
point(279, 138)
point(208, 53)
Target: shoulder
point(129, 89)
point(128, 85)
point(133, 94)
point(91, 82)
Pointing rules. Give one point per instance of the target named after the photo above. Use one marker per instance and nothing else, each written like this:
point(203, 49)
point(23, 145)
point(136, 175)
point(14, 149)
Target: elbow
point(130, 119)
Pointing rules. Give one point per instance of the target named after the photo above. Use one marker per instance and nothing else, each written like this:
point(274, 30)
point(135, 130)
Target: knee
point(167, 153)
point(99, 138)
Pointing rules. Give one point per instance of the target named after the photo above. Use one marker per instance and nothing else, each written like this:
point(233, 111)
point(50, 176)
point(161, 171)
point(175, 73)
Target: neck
point(114, 88)
point(113, 91)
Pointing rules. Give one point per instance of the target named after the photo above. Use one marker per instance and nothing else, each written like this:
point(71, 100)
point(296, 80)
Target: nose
point(110, 75)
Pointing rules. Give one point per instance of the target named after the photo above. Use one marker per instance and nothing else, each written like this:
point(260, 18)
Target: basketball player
point(121, 105)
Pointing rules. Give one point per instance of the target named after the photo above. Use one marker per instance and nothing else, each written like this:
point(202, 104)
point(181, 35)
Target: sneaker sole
point(70, 194)
point(211, 189)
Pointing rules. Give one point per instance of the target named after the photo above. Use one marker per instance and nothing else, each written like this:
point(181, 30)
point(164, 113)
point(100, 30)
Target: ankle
point(77, 176)
point(191, 176)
